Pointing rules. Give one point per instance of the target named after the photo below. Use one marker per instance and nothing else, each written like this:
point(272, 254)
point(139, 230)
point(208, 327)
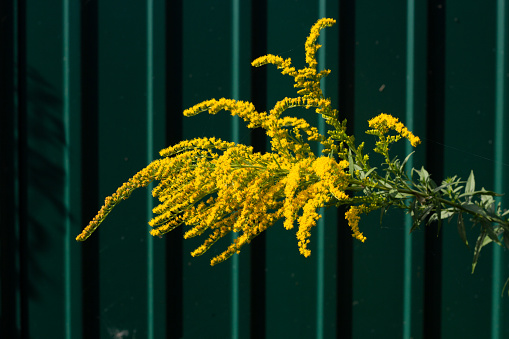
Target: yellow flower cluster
point(221, 187)
point(381, 125)
point(216, 187)
point(352, 215)
point(308, 79)
point(310, 93)
point(283, 140)
point(311, 46)
point(141, 179)
point(310, 185)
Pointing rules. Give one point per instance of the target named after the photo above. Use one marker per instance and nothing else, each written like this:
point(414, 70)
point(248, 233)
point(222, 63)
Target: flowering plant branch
point(217, 187)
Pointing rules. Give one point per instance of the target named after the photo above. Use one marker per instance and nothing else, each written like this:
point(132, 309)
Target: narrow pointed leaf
point(369, 172)
point(382, 212)
point(461, 229)
point(405, 161)
point(475, 209)
point(415, 225)
point(444, 185)
point(446, 214)
point(425, 213)
point(481, 192)
point(491, 233)
point(503, 288)
point(432, 185)
point(478, 246)
point(350, 162)
point(419, 218)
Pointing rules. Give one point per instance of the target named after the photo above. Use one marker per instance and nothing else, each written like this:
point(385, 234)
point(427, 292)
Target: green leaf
point(486, 198)
point(478, 246)
point(481, 192)
point(439, 214)
point(413, 212)
point(444, 214)
point(475, 209)
point(503, 288)
point(470, 186)
point(457, 189)
point(461, 229)
point(382, 212)
point(432, 185)
point(488, 203)
point(393, 193)
point(423, 175)
point(504, 226)
point(506, 238)
point(444, 185)
point(365, 175)
point(350, 162)
point(405, 161)
point(419, 217)
point(486, 225)
point(415, 225)
point(425, 213)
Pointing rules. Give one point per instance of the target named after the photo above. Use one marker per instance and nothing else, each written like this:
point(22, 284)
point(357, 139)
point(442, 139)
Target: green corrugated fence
point(91, 90)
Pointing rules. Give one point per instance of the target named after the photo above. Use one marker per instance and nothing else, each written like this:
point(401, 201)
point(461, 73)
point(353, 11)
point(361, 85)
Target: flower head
point(382, 123)
point(215, 187)
point(353, 218)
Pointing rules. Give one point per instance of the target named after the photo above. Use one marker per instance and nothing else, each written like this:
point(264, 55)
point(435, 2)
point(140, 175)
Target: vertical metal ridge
point(346, 87)
point(320, 268)
point(174, 102)
point(435, 112)
point(258, 274)
point(21, 240)
point(149, 150)
point(68, 238)
point(89, 144)
point(235, 74)
point(409, 121)
point(235, 62)
point(499, 159)
point(9, 233)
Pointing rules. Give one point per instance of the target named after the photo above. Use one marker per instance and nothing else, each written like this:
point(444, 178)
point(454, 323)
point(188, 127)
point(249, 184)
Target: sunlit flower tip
point(352, 215)
point(383, 122)
point(414, 140)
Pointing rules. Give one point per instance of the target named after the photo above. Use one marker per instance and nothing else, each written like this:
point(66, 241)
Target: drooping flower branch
point(216, 187)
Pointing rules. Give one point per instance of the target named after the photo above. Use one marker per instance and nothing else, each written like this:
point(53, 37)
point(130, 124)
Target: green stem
point(426, 196)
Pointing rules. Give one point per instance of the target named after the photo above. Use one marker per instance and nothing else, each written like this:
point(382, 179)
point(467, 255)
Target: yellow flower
point(311, 46)
point(352, 215)
point(318, 197)
point(308, 79)
point(332, 175)
point(383, 122)
point(276, 60)
point(295, 180)
point(216, 187)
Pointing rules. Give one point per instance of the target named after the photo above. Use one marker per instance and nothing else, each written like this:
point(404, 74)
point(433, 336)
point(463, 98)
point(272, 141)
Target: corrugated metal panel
point(92, 90)
point(381, 86)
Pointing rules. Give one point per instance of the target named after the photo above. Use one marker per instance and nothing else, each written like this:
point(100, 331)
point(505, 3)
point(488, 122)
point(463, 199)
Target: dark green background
point(90, 92)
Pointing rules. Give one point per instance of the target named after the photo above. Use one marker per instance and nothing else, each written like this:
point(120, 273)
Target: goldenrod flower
point(311, 46)
point(216, 187)
point(383, 122)
point(352, 215)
